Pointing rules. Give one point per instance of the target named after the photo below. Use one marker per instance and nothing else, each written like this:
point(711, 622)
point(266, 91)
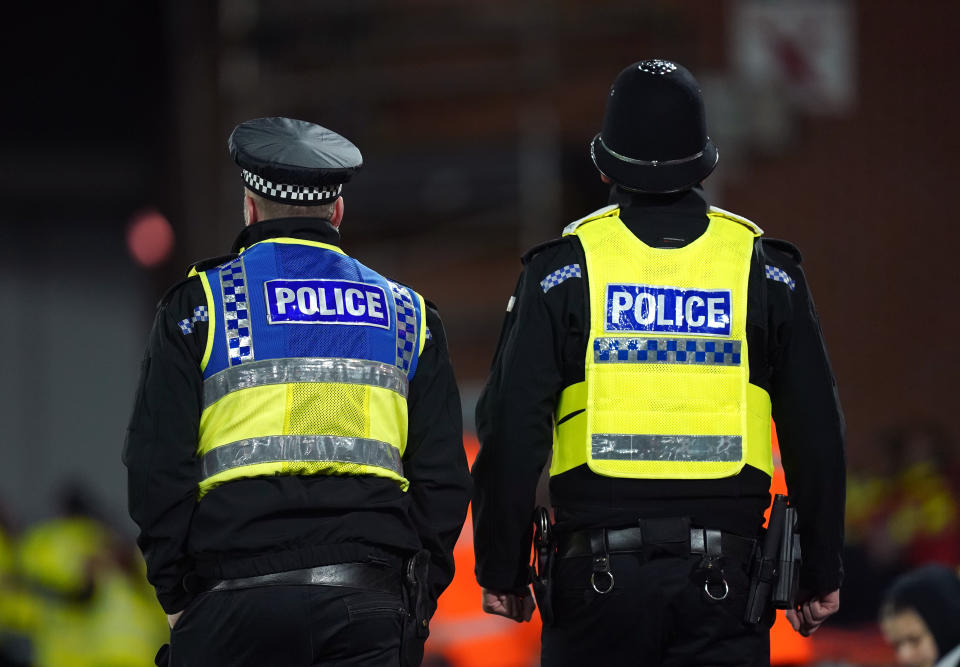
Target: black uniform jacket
point(256, 526)
point(542, 350)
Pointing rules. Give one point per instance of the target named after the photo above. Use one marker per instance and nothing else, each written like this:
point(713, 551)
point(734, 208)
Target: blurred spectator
point(93, 604)
point(925, 520)
point(920, 617)
point(900, 513)
point(17, 607)
point(903, 508)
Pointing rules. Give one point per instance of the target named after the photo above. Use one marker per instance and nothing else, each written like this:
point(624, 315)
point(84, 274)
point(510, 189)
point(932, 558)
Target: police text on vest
point(667, 309)
point(326, 302)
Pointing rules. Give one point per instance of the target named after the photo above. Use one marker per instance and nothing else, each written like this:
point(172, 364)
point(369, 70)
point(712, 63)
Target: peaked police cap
point(293, 161)
point(654, 136)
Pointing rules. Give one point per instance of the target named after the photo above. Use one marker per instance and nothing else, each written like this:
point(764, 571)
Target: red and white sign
point(804, 47)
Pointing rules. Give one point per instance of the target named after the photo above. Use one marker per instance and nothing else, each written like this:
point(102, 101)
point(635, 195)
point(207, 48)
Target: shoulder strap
point(787, 248)
point(210, 263)
point(604, 212)
point(733, 217)
point(535, 250)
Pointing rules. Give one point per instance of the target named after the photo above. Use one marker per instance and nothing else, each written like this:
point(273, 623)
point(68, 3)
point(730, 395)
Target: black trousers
point(289, 626)
point(656, 614)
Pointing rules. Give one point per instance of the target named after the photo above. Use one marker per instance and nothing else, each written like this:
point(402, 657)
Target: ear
point(337, 216)
point(250, 212)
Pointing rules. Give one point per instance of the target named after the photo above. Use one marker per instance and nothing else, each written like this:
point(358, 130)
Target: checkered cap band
point(560, 275)
point(779, 275)
point(407, 340)
point(236, 312)
point(303, 195)
point(667, 351)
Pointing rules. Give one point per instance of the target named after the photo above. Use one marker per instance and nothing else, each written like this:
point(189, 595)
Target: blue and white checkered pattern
point(779, 275)
point(236, 315)
point(558, 276)
point(406, 325)
point(667, 351)
point(199, 315)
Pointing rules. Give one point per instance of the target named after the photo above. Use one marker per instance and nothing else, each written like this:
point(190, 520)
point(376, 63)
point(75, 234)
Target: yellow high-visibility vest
point(666, 392)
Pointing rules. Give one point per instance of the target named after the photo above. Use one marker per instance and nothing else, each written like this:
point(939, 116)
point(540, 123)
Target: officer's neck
point(663, 220)
point(309, 229)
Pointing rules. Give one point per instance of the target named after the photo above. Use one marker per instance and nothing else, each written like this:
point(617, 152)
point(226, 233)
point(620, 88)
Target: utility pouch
point(541, 570)
point(776, 566)
point(416, 594)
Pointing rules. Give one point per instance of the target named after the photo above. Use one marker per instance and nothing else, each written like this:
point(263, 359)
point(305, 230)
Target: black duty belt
point(367, 576)
point(673, 536)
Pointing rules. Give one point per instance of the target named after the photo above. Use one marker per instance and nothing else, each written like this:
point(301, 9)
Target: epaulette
point(537, 249)
point(786, 248)
point(211, 263)
point(165, 299)
point(195, 269)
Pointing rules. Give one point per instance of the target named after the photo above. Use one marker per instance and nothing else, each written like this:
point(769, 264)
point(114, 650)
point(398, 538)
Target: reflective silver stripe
point(627, 447)
point(305, 369)
point(236, 312)
point(301, 448)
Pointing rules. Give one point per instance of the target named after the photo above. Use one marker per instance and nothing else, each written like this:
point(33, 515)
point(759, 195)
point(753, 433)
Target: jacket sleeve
point(434, 459)
point(514, 425)
point(161, 444)
point(810, 428)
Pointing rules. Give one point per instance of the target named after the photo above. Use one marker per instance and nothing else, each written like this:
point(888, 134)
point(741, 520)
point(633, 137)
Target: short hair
point(270, 209)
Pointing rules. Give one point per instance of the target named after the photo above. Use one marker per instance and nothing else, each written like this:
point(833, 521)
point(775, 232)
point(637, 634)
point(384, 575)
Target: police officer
point(295, 454)
point(650, 345)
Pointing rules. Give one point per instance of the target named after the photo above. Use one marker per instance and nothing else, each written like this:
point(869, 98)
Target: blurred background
point(835, 124)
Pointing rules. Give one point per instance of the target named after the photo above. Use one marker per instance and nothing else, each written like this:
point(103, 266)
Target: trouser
point(289, 626)
point(657, 613)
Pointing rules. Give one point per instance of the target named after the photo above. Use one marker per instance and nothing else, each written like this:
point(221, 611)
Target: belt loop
point(713, 542)
point(644, 533)
point(598, 541)
point(697, 541)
